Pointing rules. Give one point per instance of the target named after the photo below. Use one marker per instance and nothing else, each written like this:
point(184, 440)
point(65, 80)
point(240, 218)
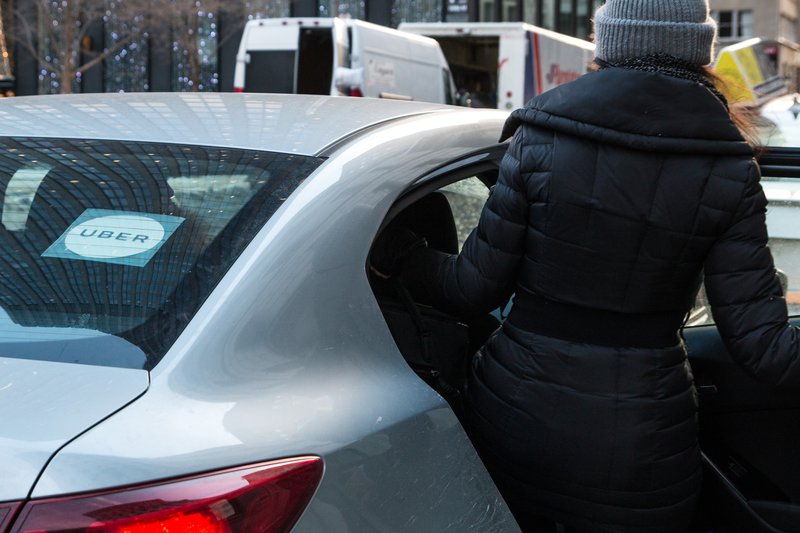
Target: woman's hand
point(391, 249)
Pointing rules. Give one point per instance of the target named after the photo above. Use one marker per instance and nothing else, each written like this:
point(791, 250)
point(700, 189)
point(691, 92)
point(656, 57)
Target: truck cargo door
point(315, 61)
point(271, 52)
point(270, 72)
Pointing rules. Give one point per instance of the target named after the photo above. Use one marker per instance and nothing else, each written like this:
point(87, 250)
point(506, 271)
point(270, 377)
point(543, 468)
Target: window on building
point(266, 8)
point(583, 18)
point(487, 12)
point(127, 69)
point(51, 45)
point(336, 8)
point(566, 17)
point(548, 18)
point(734, 24)
point(427, 11)
point(194, 55)
point(510, 11)
point(787, 28)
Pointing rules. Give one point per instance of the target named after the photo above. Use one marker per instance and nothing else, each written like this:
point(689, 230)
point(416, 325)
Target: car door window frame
point(479, 164)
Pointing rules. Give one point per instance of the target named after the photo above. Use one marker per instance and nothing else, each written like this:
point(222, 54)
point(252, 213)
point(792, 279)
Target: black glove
point(391, 248)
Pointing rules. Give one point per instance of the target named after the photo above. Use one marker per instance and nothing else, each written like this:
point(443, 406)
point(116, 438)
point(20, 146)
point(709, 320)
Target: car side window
point(437, 345)
point(466, 198)
point(783, 210)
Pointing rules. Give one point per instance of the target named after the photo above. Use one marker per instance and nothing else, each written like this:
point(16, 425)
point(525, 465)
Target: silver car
point(190, 335)
point(192, 338)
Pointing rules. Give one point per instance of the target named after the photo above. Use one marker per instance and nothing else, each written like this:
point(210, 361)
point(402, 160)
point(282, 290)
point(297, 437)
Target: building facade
point(162, 62)
point(776, 22)
point(743, 19)
point(571, 17)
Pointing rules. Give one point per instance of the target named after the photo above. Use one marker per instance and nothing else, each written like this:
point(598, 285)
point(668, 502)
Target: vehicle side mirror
point(784, 279)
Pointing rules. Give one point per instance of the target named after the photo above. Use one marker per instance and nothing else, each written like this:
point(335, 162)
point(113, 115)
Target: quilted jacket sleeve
point(484, 274)
point(746, 297)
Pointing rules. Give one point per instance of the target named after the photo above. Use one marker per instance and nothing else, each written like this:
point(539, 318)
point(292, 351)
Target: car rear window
point(109, 248)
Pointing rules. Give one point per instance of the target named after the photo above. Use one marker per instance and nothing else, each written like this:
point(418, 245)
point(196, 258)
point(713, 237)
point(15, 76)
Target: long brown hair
point(743, 114)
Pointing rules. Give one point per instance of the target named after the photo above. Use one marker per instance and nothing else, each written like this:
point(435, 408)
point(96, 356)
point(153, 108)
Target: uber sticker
point(108, 236)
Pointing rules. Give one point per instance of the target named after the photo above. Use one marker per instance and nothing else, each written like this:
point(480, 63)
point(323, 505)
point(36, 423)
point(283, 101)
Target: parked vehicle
point(190, 334)
point(340, 57)
point(505, 64)
point(187, 329)
point(756, 70)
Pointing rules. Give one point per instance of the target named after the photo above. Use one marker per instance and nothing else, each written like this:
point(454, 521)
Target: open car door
point(750, 431)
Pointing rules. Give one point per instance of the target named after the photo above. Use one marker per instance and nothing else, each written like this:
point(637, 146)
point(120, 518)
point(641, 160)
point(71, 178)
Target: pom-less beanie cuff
point(618, 37)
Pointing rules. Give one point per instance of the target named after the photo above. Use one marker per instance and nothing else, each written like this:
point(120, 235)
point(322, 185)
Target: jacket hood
point(637, 109)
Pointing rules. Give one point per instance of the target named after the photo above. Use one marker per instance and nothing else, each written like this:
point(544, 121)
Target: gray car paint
point(43, 405)
point(290, 355)
point(252, 121)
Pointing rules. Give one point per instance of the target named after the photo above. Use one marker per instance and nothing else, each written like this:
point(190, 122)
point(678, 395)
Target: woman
point(620, 192)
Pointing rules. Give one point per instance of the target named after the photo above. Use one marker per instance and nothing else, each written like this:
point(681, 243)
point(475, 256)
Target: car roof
point(299, 124)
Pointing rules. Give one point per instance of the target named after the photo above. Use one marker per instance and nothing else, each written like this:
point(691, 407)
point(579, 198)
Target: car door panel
point(748, 434)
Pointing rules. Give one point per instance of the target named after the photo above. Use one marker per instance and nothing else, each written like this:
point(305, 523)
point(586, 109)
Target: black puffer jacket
point(617, 192)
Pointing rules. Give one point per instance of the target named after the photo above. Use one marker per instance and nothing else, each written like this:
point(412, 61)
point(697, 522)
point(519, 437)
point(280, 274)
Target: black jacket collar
point(642, 110)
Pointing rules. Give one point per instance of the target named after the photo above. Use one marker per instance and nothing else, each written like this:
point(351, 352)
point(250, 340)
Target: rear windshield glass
point(109, 248)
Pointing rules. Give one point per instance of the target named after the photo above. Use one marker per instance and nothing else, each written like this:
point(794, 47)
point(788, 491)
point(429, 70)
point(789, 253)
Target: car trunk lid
point(44, 404)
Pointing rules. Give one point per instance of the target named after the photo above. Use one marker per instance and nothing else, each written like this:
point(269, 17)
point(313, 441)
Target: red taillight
point(264, 498)
point(195, 523)
point(238, 89)
point(355, 91)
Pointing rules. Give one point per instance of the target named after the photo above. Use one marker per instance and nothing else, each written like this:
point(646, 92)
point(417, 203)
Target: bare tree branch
point(57, 42)
point(181, 19)
point(103, 55)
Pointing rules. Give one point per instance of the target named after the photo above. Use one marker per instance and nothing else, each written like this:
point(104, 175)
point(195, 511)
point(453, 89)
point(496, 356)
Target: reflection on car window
point(109, 248)
point(466, 198)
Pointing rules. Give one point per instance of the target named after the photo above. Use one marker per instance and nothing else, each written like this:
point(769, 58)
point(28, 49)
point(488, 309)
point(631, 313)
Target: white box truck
point(505, 64)
point(340, 56)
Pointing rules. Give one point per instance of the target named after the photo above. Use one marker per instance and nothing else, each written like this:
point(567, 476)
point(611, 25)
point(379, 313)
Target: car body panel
point(290, 355)
point(748, 432)
point(43, 405)
point(209, 119)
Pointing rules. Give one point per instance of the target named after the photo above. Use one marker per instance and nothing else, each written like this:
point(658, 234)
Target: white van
point(505, 64)
point(340, 56)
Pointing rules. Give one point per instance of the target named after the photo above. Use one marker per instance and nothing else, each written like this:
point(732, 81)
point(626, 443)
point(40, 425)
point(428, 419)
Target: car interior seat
point(429, 218)
point(432, 218)
point(438, 346)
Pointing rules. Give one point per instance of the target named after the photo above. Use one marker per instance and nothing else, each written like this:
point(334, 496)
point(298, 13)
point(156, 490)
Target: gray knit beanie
point(625, 29)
